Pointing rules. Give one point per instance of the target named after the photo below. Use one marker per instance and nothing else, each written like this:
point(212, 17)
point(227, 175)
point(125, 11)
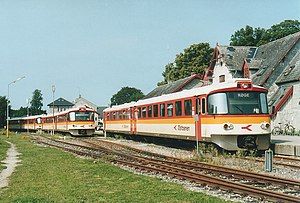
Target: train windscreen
point(238, 103)
point(81, 116)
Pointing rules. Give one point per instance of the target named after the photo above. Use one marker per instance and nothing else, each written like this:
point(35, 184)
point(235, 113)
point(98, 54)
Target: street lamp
point(7, 110)
point(28, 101)
point(53, 91)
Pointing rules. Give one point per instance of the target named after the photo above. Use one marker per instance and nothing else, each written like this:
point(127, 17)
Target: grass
point(50, 175)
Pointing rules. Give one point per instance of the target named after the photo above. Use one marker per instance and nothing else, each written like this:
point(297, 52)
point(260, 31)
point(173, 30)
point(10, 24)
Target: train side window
point(114, 115)
point(162, 110)
point(38, 120)
point(203, 106)
point(198, 106)
point(155, 110)
point(170, 109)
point(144, 112)
point(188, 107)
point(178, 108)
point(72, 116)
point(149, 111)
point(139, 112)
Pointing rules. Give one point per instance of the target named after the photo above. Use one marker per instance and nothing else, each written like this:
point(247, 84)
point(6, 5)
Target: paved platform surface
point(286, 145)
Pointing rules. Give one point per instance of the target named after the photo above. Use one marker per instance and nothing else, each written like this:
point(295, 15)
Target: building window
point(188, 107)
point(178, 108)
point(222, 78)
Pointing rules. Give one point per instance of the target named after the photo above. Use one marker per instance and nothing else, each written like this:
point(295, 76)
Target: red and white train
point(233, 115)
point(76, 121)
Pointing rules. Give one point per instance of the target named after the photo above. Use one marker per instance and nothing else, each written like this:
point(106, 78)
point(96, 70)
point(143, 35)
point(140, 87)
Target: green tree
point(280, 30)
point(36, 103)
point(194, 59)
point(125, 95)
point(247, 36)
point(19, 112)
point(3, 106)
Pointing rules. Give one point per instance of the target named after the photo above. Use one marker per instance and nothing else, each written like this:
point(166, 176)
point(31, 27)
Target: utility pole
point(28, 101)
point(53, 91)
point(7, 106)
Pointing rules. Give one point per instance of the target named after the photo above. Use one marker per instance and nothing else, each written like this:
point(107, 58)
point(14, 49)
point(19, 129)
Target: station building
point(59, 105)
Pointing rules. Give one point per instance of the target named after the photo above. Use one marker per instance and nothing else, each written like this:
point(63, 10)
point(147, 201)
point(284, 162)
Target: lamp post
point(28, 101)
point(53, 91)
point(7, 106)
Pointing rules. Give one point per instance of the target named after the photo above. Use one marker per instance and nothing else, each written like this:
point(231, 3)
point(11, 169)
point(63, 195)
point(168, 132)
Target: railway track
point(279, 161)
point(186, 170)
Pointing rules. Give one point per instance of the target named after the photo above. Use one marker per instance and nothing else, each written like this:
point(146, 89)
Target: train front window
point(81, 116)
point(217, 104)
point(238, 103)
point(247, 103)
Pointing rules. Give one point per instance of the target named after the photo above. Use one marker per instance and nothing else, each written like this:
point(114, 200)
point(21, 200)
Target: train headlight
point(228, 126)
point(265, 126)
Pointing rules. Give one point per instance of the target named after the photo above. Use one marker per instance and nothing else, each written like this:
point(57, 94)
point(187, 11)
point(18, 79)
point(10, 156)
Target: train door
point(200, 110)
point(133, 116)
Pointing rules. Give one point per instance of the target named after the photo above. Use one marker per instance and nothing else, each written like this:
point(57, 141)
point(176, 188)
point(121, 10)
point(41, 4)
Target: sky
point(96, 47)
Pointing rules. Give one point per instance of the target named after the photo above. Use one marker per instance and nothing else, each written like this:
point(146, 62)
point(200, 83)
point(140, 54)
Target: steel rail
point(275, 163)
point(217, 169)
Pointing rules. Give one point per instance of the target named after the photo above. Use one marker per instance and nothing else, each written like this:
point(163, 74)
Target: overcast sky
point(96, 47)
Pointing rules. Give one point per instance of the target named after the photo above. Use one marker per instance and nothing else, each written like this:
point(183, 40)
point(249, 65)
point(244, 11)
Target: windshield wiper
point(238, 108)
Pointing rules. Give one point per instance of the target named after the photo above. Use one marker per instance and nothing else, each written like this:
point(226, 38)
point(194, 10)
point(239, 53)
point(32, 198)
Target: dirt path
point(10, 162)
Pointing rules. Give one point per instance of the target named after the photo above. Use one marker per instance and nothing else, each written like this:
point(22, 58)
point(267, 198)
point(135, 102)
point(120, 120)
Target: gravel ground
point(223, 160)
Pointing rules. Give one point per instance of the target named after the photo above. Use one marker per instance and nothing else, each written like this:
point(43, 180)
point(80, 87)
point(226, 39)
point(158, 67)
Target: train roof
point(51, 115)
point(182, 94)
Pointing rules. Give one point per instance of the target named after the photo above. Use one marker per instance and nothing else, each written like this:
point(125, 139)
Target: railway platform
point(286, 145)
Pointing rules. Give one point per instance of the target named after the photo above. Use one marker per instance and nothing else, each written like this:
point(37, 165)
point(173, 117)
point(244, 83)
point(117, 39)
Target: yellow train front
point(233, 116)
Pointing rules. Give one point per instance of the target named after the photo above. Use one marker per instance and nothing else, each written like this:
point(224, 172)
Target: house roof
point(265, 59)
point(178, 85)
point(61, 102)
point(84, 100)
point(234, 55)
point(271, 54)
point(291, 73)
